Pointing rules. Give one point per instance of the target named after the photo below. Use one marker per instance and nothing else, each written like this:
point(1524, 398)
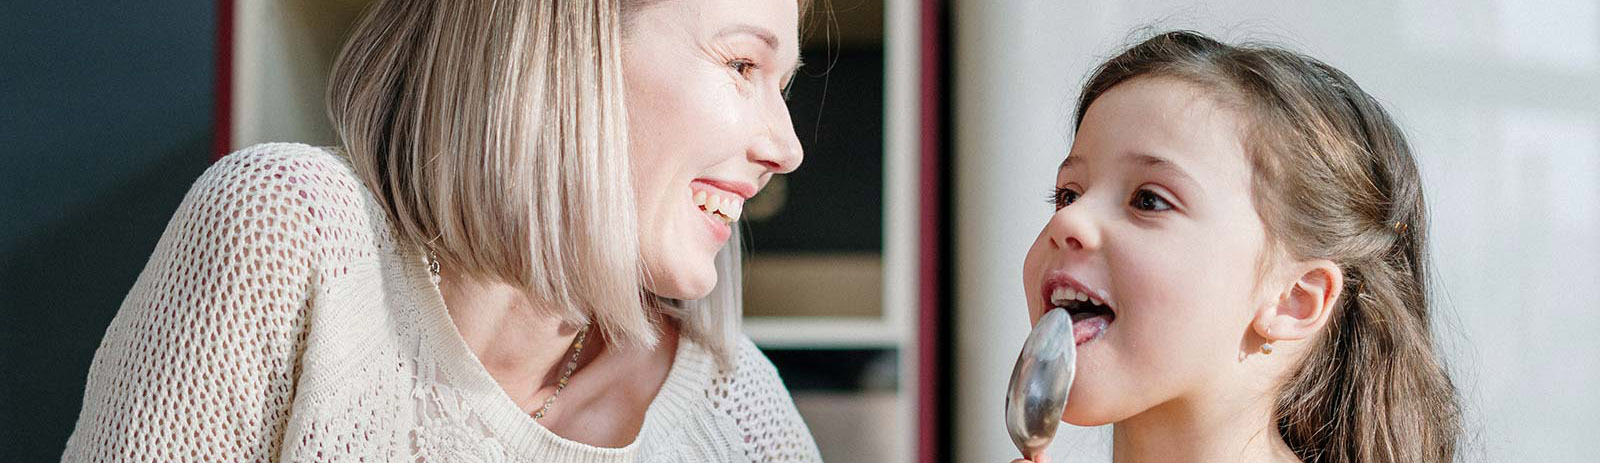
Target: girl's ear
point(1304, 305)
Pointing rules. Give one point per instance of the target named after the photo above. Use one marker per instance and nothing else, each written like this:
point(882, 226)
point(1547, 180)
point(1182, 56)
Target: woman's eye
point(1146, 200)
point(742, 66)
point(1063, 197)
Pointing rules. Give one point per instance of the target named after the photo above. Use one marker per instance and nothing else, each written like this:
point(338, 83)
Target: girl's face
point(1154, 220)
point(708, 126)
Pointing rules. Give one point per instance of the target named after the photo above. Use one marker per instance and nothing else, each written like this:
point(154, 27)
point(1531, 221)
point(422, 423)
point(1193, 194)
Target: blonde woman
point(523, 251)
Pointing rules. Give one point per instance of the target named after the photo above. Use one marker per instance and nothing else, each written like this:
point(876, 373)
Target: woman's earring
point(433, 267)
point(1266, 347)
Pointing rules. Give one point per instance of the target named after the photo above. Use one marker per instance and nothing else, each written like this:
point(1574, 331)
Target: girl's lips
point(1090, 309)
point(1058, 279)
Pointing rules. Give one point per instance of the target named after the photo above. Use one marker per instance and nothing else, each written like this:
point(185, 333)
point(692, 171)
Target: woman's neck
point(520, 343)
point(1234, 429)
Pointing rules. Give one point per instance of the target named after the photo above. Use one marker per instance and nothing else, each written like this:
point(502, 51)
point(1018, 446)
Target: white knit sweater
point(280, 320)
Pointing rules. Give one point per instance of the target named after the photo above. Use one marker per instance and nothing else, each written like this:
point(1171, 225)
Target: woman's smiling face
point(1154, 220)
point(708, 126)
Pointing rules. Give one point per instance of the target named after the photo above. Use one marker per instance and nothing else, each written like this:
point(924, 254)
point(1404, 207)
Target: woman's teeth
point(724, 207)
point(1064, 295)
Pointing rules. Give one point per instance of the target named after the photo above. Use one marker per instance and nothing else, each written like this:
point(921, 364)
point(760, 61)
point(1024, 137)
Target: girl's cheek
point(1032, 271)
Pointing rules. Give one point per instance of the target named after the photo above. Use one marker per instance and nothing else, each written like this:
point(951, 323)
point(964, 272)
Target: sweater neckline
point(679, 396)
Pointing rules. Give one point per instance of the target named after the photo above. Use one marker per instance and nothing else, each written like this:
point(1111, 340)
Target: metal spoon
point(1039, 383)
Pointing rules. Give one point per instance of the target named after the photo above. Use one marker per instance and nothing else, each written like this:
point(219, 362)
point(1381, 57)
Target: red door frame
point(932, 392)
point(222, 109)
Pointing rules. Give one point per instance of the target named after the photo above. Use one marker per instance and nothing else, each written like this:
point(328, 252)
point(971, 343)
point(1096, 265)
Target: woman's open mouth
point(723, 207)
point(720, 204)
point(1090, 315)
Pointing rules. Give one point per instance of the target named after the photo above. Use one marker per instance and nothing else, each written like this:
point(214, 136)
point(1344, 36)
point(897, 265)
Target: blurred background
point(884, 277)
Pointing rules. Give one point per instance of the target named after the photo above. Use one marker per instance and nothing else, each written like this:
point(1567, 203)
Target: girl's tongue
point(1087, 328)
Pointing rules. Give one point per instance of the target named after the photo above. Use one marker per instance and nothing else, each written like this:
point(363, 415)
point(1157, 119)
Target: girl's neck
point(1238, 429)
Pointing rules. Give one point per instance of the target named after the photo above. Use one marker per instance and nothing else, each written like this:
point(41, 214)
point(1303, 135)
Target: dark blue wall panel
point(105, 121)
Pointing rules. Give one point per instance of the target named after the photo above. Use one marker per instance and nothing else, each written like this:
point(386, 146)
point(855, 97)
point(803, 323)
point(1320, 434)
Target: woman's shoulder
point(282, 167)
point(746, 363)
point(748, 387)
point(293, 198)
point(746, 380)
point(285, 182)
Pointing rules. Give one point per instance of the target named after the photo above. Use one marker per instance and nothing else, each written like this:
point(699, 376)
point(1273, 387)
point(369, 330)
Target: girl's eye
point(742, 66)
point(1146, 200)
point(1063, 197)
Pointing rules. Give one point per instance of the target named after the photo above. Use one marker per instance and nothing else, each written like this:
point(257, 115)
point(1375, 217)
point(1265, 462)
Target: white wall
point(1502, 103)
point(283, 52)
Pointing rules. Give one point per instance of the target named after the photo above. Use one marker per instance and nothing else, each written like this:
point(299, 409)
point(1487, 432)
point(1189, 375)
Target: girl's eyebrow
point(1155, 162)
point(1069, 161)
point(1144, 160)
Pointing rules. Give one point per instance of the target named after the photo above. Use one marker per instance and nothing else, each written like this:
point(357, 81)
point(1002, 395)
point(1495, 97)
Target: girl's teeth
point(1060, 296)
point(1063, 295)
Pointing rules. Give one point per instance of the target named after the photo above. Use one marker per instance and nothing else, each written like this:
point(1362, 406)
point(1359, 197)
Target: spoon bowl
point(1040, 381)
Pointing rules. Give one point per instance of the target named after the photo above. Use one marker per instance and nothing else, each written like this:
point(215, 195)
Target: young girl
point(1239, 238)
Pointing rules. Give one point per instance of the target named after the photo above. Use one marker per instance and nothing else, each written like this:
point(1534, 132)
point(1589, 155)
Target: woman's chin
point(686, 286)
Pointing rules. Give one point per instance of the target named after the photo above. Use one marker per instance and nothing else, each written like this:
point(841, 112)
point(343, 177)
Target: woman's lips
point(720, 229)
point(720, 200)
point(719, 204)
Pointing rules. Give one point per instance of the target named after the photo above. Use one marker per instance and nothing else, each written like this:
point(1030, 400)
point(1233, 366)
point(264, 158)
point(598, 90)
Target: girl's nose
point(1073, 228)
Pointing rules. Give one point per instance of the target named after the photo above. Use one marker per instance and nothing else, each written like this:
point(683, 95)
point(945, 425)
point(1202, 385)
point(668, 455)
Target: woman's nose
point(779, 150)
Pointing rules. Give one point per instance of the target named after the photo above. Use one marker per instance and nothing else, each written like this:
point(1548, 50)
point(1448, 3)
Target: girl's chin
point(1089, 409)
point(1086, 418)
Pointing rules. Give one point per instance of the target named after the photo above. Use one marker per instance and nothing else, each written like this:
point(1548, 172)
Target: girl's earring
point(1266, 347)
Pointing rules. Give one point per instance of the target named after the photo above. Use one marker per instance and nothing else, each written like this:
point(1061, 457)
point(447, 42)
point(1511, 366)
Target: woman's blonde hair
point(494, 135)
point(1333, 178)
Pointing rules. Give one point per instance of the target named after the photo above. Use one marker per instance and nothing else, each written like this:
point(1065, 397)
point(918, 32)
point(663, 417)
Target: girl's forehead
point(1159, 122)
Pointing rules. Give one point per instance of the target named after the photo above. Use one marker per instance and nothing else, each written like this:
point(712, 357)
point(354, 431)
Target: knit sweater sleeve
point(754, 394)
point(200, 361)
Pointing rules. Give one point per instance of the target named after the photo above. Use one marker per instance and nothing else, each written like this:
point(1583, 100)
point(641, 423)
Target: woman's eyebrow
point(758, 32)
point(765, 35)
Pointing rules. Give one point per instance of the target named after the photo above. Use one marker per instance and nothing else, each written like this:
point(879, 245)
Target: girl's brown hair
point(1333, 178)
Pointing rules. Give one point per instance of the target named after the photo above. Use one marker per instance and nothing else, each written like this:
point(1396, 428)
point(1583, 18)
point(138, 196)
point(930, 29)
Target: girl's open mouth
point(1090, 315)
